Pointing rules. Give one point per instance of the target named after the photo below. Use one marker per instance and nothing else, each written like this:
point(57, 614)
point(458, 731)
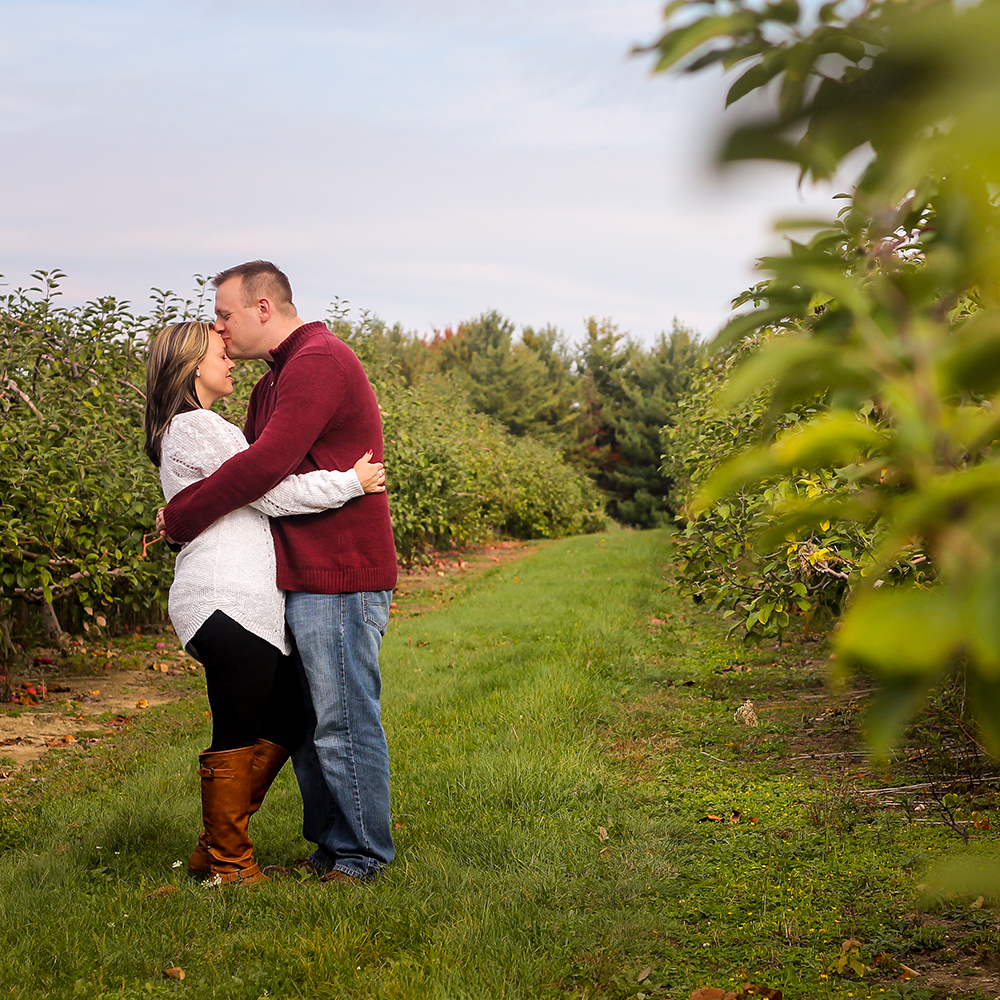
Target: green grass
point(555, 759)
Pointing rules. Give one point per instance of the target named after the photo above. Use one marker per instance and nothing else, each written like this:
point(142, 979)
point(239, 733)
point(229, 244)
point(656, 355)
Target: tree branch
point(11, 384)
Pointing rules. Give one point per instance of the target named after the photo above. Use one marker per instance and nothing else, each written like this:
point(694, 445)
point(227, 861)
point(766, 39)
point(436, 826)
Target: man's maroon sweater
point(314, 410)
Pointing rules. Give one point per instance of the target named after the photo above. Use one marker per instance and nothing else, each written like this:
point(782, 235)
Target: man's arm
point(311, 388)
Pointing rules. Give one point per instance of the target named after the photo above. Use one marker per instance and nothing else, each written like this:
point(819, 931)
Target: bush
point(78, 497)
point(457, 476)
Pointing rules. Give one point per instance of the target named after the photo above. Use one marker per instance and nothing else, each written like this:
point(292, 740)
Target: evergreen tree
point(651, 385)
point(629, 394)
point(524, 385)
point(599, 364)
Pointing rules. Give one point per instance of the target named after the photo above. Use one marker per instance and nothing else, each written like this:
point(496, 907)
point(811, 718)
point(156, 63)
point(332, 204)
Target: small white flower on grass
point(746, 714)
point(177, 864)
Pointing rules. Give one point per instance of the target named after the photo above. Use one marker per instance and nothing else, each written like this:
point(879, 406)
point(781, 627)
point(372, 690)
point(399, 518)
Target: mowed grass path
point(554, 757)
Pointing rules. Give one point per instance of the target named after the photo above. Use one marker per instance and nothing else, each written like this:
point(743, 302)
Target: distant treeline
point(603, 403)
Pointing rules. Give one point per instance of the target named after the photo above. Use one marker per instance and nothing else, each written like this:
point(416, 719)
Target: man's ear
point(264, 310)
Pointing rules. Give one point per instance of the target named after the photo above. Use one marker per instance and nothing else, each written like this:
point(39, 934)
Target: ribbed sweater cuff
point(346, 580)
point(175, 530)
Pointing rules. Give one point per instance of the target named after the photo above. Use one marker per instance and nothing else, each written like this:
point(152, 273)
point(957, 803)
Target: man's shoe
point(335, 875)
point(297, 869)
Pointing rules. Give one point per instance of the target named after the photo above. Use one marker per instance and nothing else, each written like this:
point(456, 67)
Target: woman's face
point(213, 380)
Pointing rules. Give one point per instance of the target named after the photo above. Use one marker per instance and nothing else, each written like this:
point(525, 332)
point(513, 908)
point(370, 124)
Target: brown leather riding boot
point(225, 804)
point(268, 759)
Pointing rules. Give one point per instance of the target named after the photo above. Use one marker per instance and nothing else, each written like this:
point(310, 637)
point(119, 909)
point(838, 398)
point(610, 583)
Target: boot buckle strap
point(215, 772)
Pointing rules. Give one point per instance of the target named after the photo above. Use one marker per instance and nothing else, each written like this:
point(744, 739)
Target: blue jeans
point(342, 765)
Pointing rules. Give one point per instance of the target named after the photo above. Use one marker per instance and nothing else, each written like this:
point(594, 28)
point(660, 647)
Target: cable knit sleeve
point(200, 441)
point(310, 493)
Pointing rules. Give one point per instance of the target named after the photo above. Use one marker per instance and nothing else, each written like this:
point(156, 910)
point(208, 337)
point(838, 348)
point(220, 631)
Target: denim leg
point(342, 765)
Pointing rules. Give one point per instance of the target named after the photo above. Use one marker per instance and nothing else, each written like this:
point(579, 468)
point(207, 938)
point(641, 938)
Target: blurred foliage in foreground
point(877, 339)
point(78, 497)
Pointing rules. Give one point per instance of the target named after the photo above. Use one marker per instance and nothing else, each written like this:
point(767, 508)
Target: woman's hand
point(371, 474)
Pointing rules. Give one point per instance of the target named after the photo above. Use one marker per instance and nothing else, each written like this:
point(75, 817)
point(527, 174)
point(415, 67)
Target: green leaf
point(786, 11)
point(755, 77)
point(783, 354)
point(680, 42)
point(892, 708)
point(744, 323)
point(904, 631)
point(984, 697)
point(829, 441)
point(759, 142)
point(968, 875)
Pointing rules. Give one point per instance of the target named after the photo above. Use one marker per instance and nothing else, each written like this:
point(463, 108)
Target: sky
point(426, 160)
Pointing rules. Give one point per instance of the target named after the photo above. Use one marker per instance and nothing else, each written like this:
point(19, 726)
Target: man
point(314, 409)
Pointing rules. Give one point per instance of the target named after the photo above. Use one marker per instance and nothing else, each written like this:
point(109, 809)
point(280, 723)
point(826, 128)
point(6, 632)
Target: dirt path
point(89, 690)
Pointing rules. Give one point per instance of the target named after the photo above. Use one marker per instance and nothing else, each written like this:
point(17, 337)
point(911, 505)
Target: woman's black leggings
point(253, 688)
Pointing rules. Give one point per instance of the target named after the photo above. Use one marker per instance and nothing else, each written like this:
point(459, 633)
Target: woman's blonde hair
point(173, 359)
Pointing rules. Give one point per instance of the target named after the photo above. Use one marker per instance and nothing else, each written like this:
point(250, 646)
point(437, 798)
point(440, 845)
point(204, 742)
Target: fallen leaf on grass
point(142, 703)
point(711, 993)
point(644, 975)
point(164, 890)
point(849, 944)
point(907, 971)
point(978, 904)
point(602, 834)
point(710, 818)
point(174, 972)
point(883, 960)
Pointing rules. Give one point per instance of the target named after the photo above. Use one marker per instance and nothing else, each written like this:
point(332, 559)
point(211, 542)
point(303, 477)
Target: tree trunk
point(7, 653)
point(50, 624)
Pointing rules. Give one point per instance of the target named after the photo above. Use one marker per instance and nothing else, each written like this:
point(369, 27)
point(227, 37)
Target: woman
point(224, 604)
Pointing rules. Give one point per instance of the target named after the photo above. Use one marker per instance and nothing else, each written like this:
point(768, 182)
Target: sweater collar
point(291, 343)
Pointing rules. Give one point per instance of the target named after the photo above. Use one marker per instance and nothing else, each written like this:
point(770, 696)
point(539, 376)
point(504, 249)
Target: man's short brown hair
point(260, 279)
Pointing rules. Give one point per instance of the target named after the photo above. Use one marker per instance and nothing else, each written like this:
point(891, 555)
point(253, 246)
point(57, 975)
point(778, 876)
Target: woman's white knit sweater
point(230, 566)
